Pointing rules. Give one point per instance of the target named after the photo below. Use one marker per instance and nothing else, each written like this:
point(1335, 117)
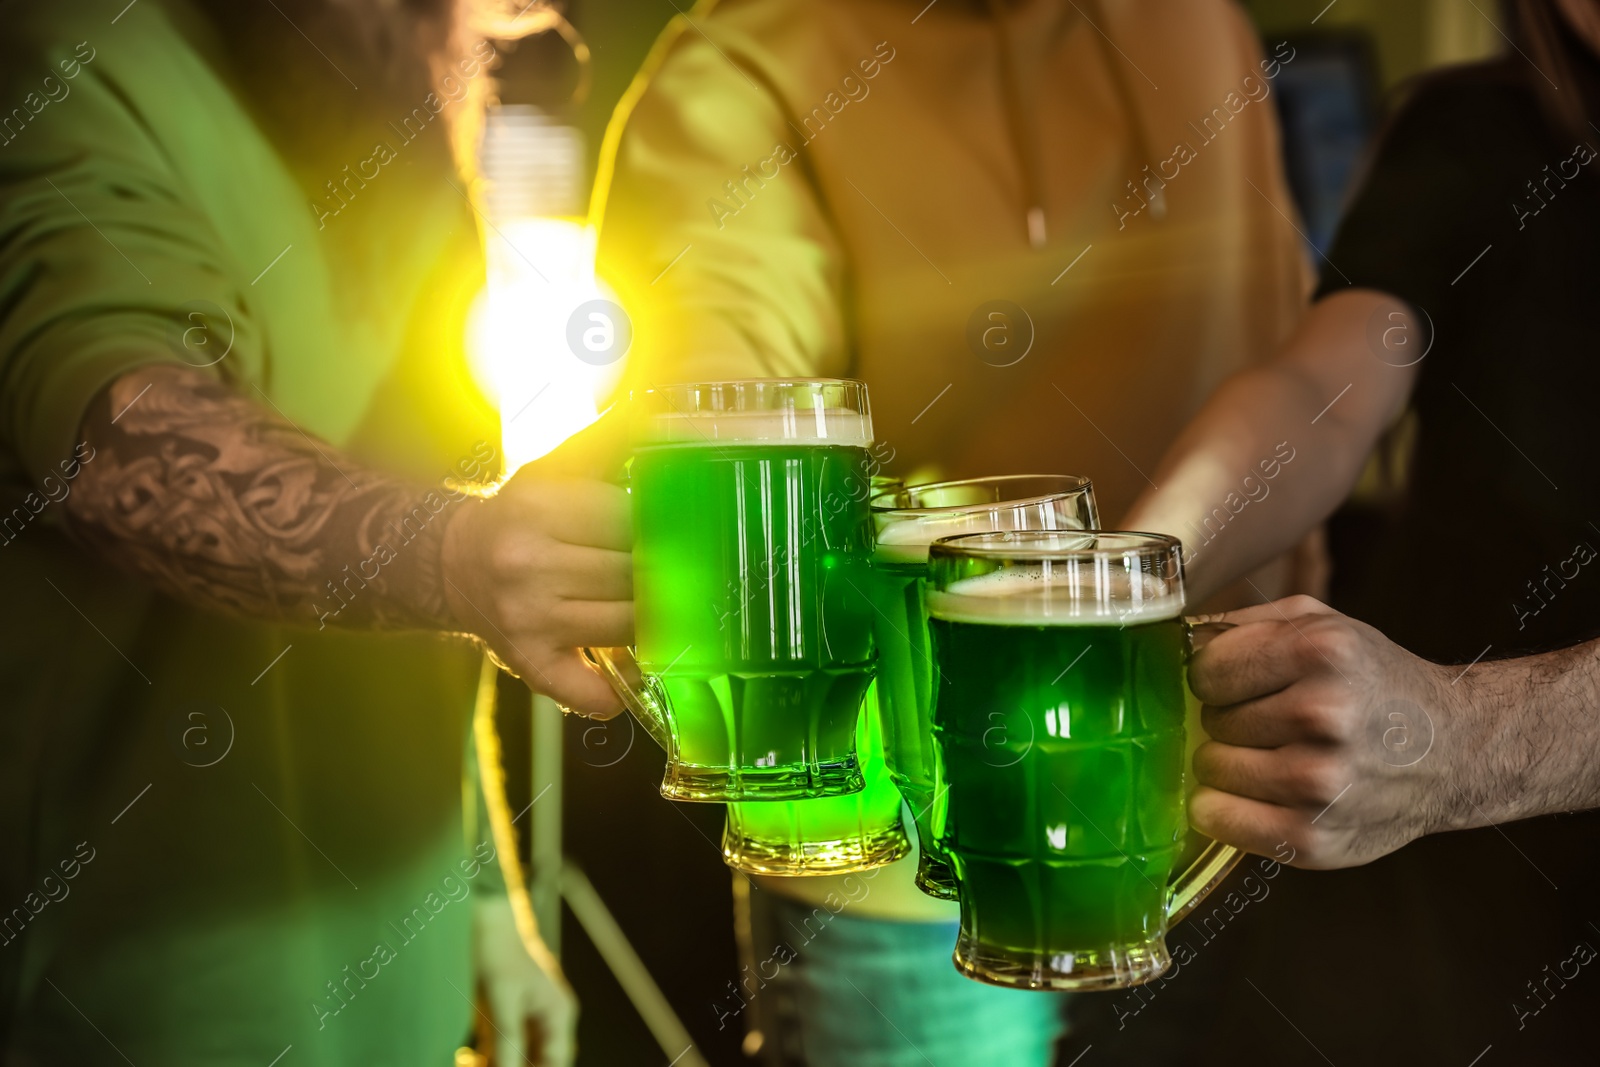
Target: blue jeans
point(864, 992)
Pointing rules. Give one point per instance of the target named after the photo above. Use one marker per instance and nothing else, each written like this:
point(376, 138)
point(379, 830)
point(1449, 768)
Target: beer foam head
point(817, 426)
point(910, 519)
point(903, 541)
point(1061, 596)
point(904, 536)
point(755, 411)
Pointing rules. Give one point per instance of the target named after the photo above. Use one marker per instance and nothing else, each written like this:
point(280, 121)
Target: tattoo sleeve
point(220, 501)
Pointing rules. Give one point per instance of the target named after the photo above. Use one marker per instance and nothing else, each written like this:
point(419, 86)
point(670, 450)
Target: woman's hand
point(531, 1007)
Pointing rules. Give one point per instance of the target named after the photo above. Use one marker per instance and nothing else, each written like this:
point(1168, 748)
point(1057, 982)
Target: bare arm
point(1225, 486)
point(1322, 733)
point(1543, 757)
point(219, 501)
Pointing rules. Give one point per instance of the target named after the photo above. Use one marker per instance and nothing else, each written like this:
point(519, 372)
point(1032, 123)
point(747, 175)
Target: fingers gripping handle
point(639, 694)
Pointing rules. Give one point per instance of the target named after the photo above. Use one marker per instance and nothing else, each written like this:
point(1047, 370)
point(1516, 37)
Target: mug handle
point(1216, 860)
point(1204, 874)
point(639, 695)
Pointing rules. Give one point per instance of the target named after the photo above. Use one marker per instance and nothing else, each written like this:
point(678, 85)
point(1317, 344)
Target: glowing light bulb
point(525, 350)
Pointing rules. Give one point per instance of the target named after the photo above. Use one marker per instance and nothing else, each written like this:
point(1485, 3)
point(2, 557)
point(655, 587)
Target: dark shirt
point(1484, 219)
point(1460, 941)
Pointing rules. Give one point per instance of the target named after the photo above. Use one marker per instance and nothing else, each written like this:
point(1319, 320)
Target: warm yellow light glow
point(540, 271)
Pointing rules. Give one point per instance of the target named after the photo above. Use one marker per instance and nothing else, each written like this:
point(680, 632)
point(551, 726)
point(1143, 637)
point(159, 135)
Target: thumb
point(597, 451)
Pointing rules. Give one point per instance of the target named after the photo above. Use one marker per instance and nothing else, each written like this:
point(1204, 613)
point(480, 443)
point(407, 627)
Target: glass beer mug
point(752, 550)
point(826, 835)
point(907, 521)
point(1059, 729)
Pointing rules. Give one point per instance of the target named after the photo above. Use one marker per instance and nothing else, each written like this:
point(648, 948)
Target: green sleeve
point(712, 230)
point(105, 264)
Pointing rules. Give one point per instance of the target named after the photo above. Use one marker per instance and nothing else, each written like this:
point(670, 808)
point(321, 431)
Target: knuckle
point(1318, 780)
point(1322, 719)
point(517, 553)
point(1335, 639)
point(1317, 848)
point(1303, 842)
point(1302, 604)
point(1340, 723)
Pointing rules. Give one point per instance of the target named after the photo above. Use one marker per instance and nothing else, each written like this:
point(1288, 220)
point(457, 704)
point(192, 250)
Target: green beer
point(1100, 839)
point(751, 558)
point(829, 835)
point(907, 521)
point(1059, 727)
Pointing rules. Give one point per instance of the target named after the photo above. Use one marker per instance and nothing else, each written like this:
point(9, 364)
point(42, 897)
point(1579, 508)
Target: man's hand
point(1324, 734)
point(543, 568)
point(531, 1006)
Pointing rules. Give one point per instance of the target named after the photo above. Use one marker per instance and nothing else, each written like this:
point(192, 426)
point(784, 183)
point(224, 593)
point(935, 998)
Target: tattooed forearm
point(221, 502)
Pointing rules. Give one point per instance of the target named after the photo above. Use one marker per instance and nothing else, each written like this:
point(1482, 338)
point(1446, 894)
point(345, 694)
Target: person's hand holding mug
point(1323, 734)
point(543, 568)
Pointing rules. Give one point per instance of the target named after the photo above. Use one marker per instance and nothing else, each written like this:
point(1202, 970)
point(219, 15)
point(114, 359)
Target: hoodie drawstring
point(1022, 140)
point(1025, 143)
point(1138, 134)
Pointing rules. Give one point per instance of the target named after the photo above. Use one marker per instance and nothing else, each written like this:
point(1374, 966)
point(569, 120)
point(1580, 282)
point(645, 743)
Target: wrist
point(456, 552)
point(1483, 781)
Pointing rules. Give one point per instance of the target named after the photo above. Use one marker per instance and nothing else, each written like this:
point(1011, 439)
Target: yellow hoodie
point(840, 187)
